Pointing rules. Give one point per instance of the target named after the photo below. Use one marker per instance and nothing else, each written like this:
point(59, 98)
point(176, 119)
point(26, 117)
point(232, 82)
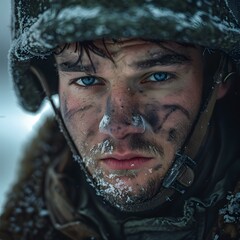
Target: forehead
point(139, 47)
point(119, 45)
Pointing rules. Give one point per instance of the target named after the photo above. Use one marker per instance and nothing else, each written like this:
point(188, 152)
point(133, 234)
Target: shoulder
point(25, 215)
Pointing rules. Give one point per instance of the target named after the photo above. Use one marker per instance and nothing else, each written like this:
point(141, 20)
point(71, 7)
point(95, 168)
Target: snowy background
point(16, 126)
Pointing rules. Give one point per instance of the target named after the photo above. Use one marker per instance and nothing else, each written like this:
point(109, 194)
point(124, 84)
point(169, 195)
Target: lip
point(125, 161)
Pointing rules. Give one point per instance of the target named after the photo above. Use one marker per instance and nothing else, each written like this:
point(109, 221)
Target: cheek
point(179, 104)
point(80, 116)
point(172, 117)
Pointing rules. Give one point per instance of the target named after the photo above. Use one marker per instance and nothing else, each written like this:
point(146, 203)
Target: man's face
point(130, 115)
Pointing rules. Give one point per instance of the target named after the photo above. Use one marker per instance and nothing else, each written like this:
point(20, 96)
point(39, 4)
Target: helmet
point(39, 27)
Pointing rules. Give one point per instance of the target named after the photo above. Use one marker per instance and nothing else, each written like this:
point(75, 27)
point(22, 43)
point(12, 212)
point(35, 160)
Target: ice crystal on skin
point(231, 211)
point(104, 147)
point(108, 185)
point(115, 190)
point(104, 122)
point(138, 121)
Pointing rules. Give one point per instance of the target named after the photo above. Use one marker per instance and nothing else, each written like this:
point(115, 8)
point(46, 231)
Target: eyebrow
point(164, 60)
point(69, 67)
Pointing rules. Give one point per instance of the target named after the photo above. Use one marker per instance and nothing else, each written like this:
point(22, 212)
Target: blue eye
point(159, 77)
point(87, 81)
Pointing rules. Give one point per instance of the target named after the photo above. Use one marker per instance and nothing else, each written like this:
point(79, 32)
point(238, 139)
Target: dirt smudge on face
point(157, 114)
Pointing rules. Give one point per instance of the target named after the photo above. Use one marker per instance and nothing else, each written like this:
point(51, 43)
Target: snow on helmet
point(38, 27)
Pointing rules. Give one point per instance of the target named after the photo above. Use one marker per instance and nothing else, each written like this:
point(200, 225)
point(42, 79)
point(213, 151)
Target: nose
point(121, 118)
point(121, 128)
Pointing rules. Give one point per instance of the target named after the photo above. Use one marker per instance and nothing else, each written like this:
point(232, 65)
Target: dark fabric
point(25, 215)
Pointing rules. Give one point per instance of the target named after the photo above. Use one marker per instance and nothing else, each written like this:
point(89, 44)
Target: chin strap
point(42, 79)
point(181, 175)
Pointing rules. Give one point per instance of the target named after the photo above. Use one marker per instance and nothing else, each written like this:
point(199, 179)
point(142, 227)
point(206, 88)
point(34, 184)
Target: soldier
point(146, 144)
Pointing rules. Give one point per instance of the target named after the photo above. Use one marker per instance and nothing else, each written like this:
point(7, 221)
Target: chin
point(121, 191)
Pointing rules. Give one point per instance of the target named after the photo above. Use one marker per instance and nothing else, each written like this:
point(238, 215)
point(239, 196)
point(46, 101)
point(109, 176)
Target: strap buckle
point(180, 175)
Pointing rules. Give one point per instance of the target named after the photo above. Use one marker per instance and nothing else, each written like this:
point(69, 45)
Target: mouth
point(125, 161)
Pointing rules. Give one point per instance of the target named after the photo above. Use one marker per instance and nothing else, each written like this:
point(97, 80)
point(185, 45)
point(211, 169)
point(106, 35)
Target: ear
point(223, 89)
point(226, 82)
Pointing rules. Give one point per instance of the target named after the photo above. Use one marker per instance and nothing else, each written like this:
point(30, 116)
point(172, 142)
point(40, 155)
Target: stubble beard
point(123, 188)
point(121, 195)
point(111, 185)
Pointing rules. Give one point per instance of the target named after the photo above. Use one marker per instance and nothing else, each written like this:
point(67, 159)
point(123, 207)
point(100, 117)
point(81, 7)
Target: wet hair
point(87, 47)
point(90, 47)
